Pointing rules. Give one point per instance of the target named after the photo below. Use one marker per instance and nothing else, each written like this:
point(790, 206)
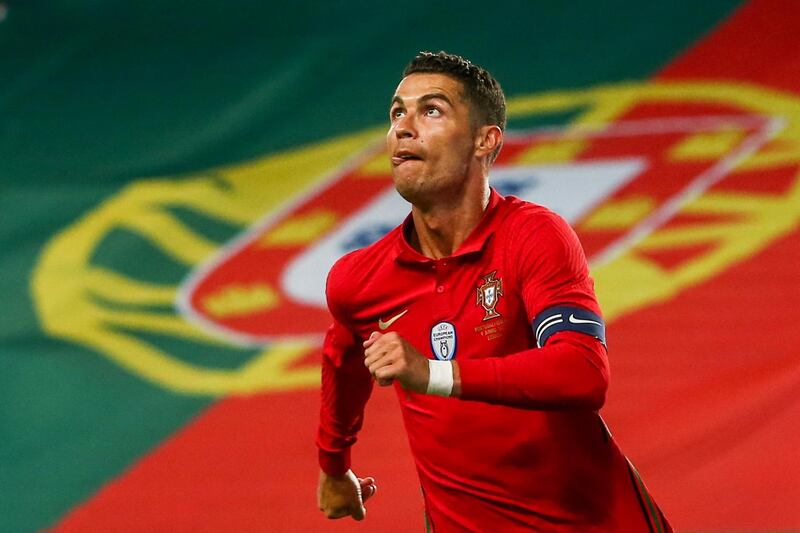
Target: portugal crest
point(489, 294)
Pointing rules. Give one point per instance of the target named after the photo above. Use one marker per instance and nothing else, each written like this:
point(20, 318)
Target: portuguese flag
point(176, 178)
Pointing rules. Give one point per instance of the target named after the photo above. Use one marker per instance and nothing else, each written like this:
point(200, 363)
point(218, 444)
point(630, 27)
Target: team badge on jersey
point(489, 294)
point(443, 341)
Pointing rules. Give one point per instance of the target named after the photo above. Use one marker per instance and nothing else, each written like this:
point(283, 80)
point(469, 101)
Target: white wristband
point(440, 381)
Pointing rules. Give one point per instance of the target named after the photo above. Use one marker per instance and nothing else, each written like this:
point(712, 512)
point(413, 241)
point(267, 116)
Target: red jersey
point(523, 448)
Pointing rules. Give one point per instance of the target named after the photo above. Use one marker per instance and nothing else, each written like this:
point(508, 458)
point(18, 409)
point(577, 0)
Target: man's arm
point(569, 366)
point(571, 371)
point(346, 387)
point(568, 369)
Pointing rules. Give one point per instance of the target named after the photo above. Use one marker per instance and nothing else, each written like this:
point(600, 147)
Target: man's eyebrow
point(424, 98)
point(439, 96)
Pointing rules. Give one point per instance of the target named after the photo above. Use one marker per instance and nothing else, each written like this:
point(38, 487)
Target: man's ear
point(488, 140)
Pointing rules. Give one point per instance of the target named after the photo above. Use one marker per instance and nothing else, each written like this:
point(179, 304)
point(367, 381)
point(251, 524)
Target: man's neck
point(440, 229)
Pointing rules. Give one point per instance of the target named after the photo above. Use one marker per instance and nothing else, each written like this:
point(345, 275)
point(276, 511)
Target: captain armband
point(563, 318)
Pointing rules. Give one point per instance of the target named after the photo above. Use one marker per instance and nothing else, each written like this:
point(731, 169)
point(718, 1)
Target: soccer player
point(480, 312)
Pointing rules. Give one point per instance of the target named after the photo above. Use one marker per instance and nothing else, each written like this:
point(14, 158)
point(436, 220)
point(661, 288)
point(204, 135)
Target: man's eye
point(396, 113)
point(433, 112)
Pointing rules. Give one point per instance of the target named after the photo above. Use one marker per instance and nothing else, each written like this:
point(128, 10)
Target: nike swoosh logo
point(383, 325)
point(581, 321)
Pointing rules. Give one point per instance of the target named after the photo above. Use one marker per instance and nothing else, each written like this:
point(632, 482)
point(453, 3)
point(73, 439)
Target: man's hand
point(389, 357)
point(340, 496)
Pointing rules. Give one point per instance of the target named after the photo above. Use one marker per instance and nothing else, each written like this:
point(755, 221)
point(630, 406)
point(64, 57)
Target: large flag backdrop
point(176, 178)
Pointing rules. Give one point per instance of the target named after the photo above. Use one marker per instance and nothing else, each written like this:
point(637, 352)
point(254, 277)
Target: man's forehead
point(420, 84)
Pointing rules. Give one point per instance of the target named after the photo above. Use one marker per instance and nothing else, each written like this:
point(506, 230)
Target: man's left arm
point(569, 366)
point(570, 372)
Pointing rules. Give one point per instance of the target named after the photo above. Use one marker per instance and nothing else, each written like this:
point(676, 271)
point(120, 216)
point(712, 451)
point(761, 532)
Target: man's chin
point(406, 183)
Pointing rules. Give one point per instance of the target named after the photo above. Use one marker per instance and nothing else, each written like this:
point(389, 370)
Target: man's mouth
point(402, 156)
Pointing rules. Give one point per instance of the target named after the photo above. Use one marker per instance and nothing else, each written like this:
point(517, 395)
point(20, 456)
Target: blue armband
point(563, 318)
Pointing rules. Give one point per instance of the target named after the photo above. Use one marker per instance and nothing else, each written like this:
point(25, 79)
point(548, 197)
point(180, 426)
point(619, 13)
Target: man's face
point(431, 139)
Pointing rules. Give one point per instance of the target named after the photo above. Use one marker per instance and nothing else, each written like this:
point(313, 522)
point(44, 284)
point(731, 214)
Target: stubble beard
point(426, 190)
point(412, 189)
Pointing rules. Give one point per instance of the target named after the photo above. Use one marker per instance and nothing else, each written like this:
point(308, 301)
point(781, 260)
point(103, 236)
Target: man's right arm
point(346, 387)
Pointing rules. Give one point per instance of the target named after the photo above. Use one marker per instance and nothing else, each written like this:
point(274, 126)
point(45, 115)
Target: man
point(480, 311)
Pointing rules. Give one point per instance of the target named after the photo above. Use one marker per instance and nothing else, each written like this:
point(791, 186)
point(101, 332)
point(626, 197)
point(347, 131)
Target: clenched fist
point(390, 356)
point(340, 496)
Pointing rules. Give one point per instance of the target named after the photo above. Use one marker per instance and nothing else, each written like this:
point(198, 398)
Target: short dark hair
point(482, 91)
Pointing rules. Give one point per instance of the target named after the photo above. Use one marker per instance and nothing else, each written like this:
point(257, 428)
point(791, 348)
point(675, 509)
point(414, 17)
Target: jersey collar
point(474, 244)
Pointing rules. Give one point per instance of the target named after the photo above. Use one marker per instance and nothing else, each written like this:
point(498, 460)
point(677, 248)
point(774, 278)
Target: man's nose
point(405, 127)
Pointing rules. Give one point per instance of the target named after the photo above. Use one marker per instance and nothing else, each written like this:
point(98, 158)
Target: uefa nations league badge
point(443, 341)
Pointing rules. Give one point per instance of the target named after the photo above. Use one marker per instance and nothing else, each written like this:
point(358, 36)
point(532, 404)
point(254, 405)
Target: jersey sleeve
point(346, 387)
point(551, 266)
point(569, 366)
